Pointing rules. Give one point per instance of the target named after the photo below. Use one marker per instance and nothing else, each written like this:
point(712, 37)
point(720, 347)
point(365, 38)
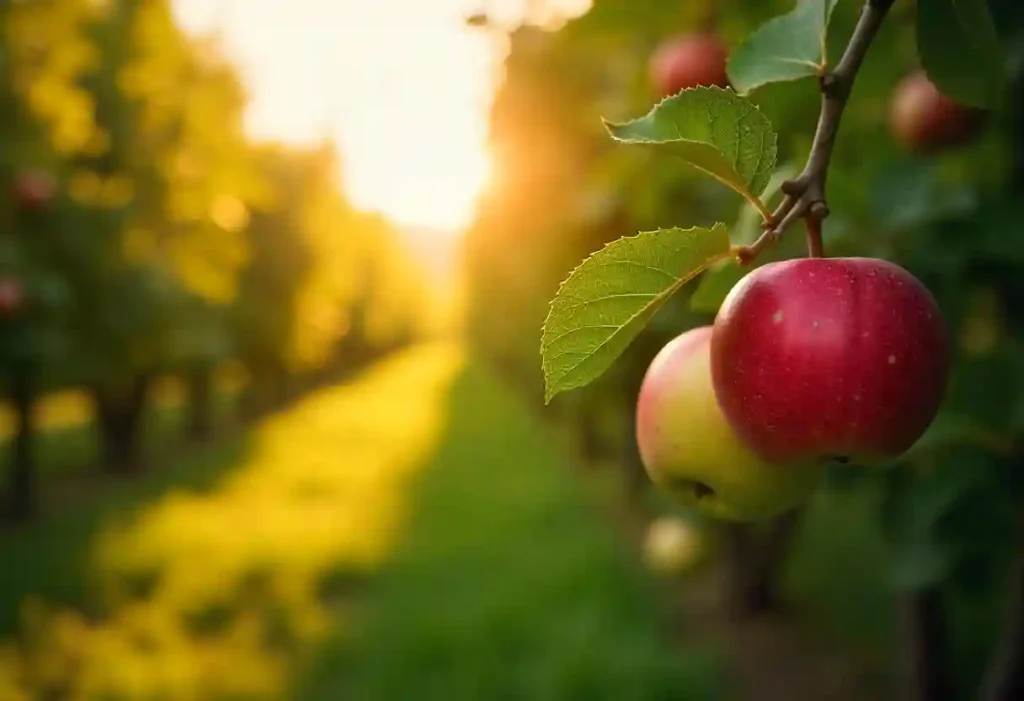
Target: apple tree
point(45, 117)
point(157, 205)
point(325, 287)
point(885, 130)
point(804, 354)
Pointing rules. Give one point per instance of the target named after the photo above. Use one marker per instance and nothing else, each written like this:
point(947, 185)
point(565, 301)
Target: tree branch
point(805, 195)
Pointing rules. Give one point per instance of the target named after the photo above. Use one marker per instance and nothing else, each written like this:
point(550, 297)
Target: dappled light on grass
point(59, 410)
point(219, 593)
point(73, 408)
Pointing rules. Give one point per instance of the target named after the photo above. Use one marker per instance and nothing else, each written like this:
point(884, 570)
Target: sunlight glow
point(402, 86)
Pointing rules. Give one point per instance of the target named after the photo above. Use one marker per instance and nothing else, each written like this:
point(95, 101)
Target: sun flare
point(402, 86)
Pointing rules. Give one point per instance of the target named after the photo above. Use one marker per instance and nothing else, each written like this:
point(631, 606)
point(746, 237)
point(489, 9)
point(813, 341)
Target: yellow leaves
point(49, 53)
point(97, 144)
point(185, 164)
point(117, 191)
point(57, 411)
point(229, 213)
point(207, 260)
point(68, 112)
point(139, 244)
point(90, 189)
point(85, 187)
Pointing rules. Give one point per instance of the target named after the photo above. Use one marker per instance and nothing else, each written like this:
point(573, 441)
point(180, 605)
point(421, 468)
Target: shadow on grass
point(51, 559)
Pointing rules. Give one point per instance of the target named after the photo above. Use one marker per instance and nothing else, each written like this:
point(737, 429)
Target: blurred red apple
point(829, 358)
point(34, 189)
point(690, 451)
point(12, 297)
point(923, 120)
point(687, 61)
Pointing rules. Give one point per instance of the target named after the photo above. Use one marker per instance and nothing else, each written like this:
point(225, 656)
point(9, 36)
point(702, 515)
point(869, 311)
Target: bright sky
point(403, 86)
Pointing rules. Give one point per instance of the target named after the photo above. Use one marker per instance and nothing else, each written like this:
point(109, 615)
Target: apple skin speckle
point(858, 369)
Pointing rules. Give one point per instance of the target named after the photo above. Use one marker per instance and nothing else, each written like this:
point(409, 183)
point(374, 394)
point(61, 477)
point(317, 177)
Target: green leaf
point(713, 129)
point(788, 47)
point(610, 296)
point(960, 50)
point(910, 194)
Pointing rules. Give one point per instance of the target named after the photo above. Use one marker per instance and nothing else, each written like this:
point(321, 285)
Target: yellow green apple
point(690, 450)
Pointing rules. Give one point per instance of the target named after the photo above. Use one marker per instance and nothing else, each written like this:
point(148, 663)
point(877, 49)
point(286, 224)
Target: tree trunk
point(1004, 680)
point(924, 623)
point(247, 406)
point(754, 560)
point(119, 415)
point(255, 400)
point(22, 489)
point(200, 399)
point(280, 385)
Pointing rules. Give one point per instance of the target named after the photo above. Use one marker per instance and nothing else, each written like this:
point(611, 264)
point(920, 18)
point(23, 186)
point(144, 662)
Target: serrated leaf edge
point(750, 196)
point(658, 299)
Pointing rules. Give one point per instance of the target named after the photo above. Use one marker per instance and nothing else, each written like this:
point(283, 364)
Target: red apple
point(923, 120)
point(34, 188)
point(687, 61)
point(829, 358)
point(690, 451)
point(12, 297)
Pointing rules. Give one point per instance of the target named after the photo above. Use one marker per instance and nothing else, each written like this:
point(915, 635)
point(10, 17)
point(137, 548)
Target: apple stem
point(805, 194)
point(815, 246)
point(1004, 679)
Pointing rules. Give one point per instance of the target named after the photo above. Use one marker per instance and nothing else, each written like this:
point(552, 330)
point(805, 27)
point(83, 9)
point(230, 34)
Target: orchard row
point(143, 233)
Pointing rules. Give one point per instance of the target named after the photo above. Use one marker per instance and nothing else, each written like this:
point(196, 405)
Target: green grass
point(508, 585)
point(415, 534)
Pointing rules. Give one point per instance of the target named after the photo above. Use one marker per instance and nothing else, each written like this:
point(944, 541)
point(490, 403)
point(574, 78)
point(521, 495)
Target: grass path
point(414, 534)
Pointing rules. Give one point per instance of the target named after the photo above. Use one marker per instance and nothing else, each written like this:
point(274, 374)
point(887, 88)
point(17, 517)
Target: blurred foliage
point(127, 613)
point(149, 234)
point(563, 189)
